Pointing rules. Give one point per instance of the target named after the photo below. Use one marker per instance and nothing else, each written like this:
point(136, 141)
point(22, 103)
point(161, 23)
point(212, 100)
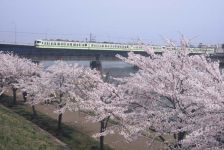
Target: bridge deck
point(39, 54)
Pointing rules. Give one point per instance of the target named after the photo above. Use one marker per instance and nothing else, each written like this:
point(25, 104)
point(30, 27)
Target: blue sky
point(112, 20)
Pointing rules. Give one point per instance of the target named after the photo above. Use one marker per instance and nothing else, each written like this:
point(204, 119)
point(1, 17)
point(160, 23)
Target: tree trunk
point(14, 95)
point(179, 137)
point(103, 127)
point(34, 110)
point(59, 121)
point(24, 96)
point(101, 137)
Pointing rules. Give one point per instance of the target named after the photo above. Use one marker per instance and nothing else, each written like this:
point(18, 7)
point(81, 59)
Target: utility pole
point(15, 33)
point(91, 38)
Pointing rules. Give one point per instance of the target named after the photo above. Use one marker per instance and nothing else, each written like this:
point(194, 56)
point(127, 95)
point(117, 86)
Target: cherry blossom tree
point(35, 89)
point(14, 68)
point(84, 85)
point(101, 101)
point(66, 86)
point(174, 94)
point(58, 86)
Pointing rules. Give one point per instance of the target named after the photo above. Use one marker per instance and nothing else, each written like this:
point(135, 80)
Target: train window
point(85, 44)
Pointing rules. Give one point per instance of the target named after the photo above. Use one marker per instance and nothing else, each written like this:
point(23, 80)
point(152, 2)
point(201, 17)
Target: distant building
point(219, 48)
point(201, 45)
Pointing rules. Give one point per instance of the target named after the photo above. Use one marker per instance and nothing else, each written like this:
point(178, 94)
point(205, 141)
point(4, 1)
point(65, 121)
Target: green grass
point(16, 133)
point(74, 139)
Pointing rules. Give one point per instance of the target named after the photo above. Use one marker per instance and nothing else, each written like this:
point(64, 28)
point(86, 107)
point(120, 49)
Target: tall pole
point(90, 37)
point(15, 33)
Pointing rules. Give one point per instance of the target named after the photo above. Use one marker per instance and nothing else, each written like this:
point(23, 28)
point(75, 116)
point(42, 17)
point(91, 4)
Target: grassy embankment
point(18, 133)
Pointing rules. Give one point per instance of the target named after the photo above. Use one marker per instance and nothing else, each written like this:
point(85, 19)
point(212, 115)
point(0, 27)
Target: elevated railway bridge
point(38, 54)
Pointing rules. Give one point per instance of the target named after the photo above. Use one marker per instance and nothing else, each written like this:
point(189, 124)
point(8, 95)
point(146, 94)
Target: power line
point(96, 36)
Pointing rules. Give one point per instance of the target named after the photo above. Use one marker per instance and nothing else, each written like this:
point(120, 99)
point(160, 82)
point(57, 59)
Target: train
point(106, 46)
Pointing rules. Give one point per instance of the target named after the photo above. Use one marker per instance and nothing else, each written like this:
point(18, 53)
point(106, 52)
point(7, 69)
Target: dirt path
point(78, 120)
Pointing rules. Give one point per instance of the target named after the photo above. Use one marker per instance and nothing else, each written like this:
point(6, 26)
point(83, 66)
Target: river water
point(113, 68)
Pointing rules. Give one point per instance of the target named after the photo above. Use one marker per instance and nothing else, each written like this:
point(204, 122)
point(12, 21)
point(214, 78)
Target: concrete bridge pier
point(36, 61)
point(96, 63)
